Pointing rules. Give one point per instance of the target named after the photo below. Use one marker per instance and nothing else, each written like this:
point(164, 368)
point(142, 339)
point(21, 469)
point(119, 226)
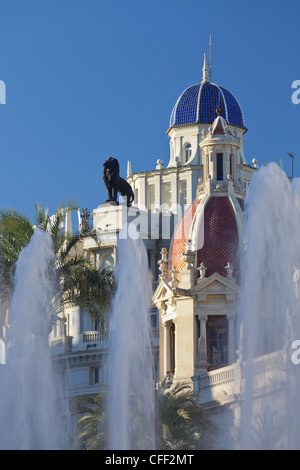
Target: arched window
point(188, 152)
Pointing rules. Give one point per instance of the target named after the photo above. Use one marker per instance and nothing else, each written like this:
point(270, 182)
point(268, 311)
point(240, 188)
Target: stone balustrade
point(225, 384)
point(92, 336)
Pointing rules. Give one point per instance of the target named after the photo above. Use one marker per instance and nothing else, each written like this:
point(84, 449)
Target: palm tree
point(182, 422)
point(91, 426)
point(80, 283)
point(15, 233)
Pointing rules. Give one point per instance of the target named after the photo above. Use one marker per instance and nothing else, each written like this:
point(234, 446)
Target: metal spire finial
point(209, 65)
point(205, 70)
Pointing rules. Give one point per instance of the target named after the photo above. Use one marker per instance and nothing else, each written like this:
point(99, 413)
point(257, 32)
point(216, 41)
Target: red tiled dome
point(180, 237)
point(220, 237)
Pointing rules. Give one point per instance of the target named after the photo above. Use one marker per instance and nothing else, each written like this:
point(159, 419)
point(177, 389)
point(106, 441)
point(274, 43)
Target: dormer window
point(188, 152)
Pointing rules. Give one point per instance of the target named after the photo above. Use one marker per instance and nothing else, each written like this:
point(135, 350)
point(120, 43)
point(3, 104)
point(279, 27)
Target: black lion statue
point(114, 183)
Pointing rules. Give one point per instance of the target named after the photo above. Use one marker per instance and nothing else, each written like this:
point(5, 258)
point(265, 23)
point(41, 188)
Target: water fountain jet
point(269, 313)
point(130, 366)
point(28, 407)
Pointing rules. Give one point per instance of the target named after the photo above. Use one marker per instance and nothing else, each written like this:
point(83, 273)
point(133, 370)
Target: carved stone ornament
point(189, 256)
point(202, 270)
point(200, 187)
point(229, 270)
point(220, 188)
point(202, 317)
point(201, 360)
point(163, 263)
point(239, 186)
point(174, 273)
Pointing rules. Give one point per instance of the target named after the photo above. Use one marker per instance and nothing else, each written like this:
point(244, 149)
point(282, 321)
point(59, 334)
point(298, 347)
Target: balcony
point(92, 336)
point(61, 344)
point(89, 340)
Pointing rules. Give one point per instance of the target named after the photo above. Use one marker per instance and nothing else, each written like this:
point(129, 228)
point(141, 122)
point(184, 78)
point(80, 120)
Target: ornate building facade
point(189, 214)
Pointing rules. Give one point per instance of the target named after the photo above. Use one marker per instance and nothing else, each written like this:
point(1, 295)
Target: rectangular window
point(95, 375)
point(172, 348)
point(183, 192)
point(151, 197)
point(220, 166)
point(167, 194)
point(217, 341)
point(153, 320)
point(65, 324)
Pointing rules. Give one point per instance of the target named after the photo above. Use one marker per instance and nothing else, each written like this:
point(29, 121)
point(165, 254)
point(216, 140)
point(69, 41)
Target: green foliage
point(15, 233)
point(91, 426)
point(79, 283)
point(181, 421)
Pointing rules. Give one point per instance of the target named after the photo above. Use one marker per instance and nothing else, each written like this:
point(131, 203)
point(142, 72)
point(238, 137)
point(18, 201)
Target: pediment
point(215, 284)
point(162, 292)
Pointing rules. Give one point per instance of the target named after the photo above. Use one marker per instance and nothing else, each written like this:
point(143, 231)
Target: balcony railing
point(92, 336)
point(229, 380)
point(62, 343)
point(89, 339)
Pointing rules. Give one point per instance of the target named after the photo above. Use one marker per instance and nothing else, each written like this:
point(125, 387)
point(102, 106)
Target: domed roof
point(198, 104)
point(212, 223)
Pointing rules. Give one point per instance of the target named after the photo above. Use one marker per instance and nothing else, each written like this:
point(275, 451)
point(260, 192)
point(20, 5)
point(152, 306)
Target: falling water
point(269, 313)
point(130, 401)
point(28, 406)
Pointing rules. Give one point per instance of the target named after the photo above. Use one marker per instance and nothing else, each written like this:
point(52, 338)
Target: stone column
point(212, 165)
point(231, 338)
point(166, 327)
point(234, 153)
point(226, 163)
point(176, 344)
point(202, 317)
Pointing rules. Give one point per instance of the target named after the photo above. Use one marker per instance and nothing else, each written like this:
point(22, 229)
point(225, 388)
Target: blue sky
point(89, 79)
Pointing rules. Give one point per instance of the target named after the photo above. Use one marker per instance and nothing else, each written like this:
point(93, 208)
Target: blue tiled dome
point(198, 104)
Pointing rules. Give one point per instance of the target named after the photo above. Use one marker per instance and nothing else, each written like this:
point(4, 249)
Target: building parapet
point(226, 384)
point(92, 336)
point(89, 340)
point(221, 187)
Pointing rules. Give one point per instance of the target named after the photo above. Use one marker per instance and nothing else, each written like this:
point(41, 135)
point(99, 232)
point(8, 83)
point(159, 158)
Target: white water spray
point(269, 313)
point(130, 367)
point(28, 405)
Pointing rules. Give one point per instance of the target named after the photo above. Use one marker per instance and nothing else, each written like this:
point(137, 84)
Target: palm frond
point(55, 222)
point(15, 233)
point(182, 422)
point(91, 426)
